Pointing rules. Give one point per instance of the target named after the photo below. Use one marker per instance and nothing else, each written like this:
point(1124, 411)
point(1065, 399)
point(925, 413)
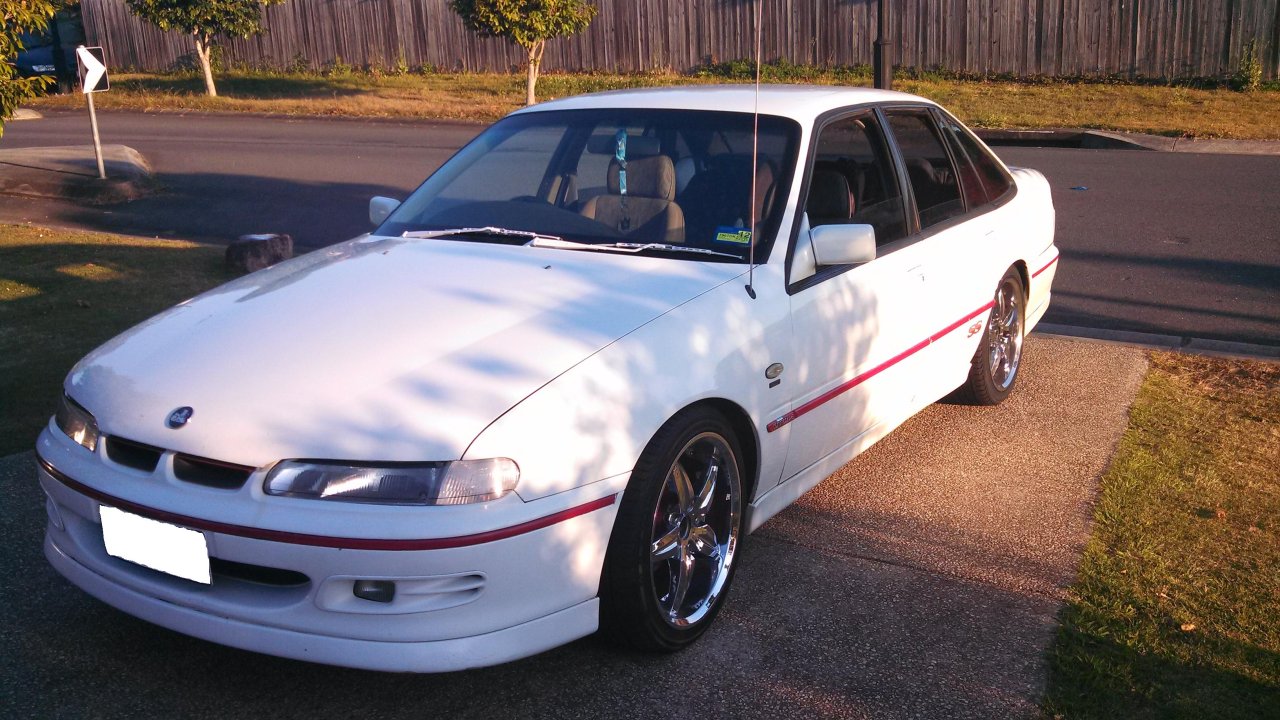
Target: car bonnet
point(378, 349)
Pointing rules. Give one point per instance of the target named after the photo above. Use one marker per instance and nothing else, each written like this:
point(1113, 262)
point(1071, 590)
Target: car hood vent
point(136, 455)
point(212, 473)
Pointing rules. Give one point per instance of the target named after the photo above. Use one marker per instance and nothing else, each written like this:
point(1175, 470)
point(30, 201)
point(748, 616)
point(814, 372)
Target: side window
point(933, 179)
point(975, 195)
point(994, 180)
point(853, 180)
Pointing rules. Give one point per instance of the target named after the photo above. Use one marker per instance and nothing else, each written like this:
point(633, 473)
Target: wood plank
point(1152, 38)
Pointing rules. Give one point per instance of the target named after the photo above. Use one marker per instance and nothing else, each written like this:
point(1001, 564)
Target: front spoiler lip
point(444, 655)
point(342, 543)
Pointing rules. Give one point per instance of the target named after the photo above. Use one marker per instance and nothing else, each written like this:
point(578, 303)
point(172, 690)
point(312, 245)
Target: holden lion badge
point(179, 417)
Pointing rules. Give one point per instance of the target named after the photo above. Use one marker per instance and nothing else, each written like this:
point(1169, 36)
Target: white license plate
point(159, 546)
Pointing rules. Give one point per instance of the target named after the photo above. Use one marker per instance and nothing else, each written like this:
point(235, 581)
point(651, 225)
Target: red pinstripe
point(863, 377)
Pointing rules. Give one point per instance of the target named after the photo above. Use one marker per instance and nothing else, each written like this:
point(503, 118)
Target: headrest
point(921, 170)
point(651, 177)
point(637, 145)
point(829, 196)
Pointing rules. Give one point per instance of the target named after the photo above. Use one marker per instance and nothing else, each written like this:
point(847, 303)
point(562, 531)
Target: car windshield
point(33, 40)
point(661, 181)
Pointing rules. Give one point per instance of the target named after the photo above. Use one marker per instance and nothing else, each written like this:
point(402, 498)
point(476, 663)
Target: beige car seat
point(648, 210)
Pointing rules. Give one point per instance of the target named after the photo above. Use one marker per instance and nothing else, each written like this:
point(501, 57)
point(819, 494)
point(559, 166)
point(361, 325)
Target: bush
point(1248, 77)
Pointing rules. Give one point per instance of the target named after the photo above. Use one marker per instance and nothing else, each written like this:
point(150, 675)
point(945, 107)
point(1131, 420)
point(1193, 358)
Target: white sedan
point(555, 387)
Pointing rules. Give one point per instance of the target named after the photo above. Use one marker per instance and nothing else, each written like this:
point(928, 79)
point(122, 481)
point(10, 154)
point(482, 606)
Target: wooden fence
point(1135, 38)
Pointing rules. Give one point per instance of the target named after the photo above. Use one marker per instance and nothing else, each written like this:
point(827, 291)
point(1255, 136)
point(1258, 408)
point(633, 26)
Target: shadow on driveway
point(922, 580)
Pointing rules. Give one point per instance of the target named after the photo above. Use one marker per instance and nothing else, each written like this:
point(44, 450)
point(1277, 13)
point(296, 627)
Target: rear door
point(949, 250)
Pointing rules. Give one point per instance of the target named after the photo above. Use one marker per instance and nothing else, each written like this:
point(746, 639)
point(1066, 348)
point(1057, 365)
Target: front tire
point(671, 557)
point(995, 365)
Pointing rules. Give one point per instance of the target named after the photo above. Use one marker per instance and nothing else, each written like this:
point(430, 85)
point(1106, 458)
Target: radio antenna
point(755, 153)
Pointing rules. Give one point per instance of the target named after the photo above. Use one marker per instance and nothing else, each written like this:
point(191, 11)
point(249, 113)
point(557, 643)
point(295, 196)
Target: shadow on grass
point(220, 207)
point(1094, 676)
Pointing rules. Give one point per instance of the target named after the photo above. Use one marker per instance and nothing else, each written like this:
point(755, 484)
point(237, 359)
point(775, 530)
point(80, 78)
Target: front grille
point(211, 473)
point(132, 454)
point(257, 573)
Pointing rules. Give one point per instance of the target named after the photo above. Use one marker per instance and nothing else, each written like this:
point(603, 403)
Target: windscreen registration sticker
point(735, 235)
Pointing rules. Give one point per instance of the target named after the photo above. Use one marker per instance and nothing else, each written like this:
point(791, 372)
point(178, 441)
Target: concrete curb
point(1175, 343)
point(25, 114)
point(1108, 140)
point(70, 172)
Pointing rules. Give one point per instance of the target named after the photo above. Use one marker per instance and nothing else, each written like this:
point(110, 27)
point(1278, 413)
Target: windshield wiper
point(640, 247)
point(549, 242)
point(480, 231)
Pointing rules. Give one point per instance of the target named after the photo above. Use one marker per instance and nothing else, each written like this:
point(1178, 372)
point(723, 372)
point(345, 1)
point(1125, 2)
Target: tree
point(204, 20)
point(527, 23)
point(19, 16)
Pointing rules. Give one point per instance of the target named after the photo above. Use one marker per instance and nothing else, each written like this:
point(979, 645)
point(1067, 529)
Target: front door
point(855, 326)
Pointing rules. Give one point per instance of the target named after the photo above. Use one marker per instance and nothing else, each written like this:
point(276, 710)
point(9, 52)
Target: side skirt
point(790, 490)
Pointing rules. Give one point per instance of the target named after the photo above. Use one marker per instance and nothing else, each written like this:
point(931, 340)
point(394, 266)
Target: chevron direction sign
point(93, 69)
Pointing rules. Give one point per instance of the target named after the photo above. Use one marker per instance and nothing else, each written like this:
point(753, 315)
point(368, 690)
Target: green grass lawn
point(1164, 110)
point(1176, 613)
point(64, 293)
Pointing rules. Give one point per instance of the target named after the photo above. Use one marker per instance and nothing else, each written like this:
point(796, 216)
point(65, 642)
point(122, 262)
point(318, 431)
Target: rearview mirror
point(843, 244)
point(380, 208)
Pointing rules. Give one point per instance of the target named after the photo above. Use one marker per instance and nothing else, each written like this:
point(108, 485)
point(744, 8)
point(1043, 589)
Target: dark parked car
point(37, 56)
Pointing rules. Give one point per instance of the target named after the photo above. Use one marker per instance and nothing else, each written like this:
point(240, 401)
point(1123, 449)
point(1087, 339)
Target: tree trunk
point(535, 64)
point(203, 50)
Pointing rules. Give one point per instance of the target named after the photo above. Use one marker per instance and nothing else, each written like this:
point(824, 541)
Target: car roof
point(800, 102)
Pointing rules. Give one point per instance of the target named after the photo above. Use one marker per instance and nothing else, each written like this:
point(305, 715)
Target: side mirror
point(843, 244)
point(380, 208)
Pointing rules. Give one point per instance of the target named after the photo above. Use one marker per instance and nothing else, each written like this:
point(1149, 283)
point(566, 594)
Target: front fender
point(593, 421)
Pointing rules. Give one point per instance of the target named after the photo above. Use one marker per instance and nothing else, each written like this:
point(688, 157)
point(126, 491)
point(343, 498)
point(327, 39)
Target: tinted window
point(933, 179)
point(617, 175)
point(975, 195)
point(986, 170)
point(853, 181)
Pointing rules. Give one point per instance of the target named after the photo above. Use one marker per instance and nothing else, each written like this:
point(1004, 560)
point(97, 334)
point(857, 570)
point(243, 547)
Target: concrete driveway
point(922, 580)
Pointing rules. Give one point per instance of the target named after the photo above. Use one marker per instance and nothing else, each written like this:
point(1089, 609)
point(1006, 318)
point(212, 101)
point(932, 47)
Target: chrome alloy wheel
point(695, 529)
point(1004, 335)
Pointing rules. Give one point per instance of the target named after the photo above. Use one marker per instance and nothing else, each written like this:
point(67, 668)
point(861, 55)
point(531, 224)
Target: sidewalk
point(72, 172)
point(1111, 140)
point(923, 580)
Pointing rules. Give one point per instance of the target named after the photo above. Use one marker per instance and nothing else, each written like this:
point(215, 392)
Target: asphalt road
point(923, 580)
point(1174, 244)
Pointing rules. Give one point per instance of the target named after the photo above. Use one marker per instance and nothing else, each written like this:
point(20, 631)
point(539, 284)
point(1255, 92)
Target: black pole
point(60, 71)
point(882, 63)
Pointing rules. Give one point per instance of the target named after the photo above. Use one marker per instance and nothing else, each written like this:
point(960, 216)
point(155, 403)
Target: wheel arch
point(745, 432)
point(1024, 275)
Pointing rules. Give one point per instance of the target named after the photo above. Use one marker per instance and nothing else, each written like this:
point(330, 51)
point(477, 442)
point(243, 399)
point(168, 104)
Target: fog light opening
point(382, 591)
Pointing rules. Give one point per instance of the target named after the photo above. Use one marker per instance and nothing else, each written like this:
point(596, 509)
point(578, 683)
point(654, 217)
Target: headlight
point(437, 483)
point(77, 423)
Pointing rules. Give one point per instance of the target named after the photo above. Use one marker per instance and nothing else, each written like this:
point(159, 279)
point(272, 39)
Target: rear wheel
point(671, 557)
point(995, 365)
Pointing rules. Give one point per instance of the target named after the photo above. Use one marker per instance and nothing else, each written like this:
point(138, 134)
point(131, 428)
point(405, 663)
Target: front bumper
point(491, 648)
point(478, 603)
